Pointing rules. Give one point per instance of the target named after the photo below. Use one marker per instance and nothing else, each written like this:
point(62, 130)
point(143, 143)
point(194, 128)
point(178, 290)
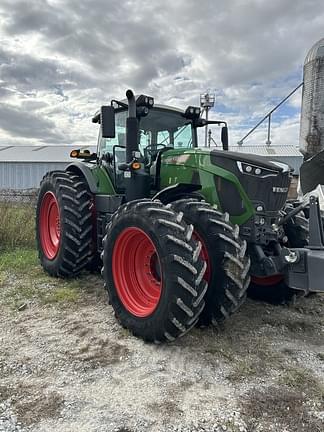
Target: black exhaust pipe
point(131, 127)
point(137, 182)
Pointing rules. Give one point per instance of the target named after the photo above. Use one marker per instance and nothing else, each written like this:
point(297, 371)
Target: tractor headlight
point(255, 170)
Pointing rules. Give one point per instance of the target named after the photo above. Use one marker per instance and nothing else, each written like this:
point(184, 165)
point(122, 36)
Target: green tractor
point(181, 232)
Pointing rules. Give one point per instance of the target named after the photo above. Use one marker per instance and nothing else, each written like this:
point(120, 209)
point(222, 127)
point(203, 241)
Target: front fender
point(173, 192)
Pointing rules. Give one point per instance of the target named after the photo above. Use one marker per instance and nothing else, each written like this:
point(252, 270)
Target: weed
point(301, 380)
point(61, 295)
point(320, 356)
point(260, 360)
point(21, 260)
point(278, 405)
point(17, 228)
point(293, 324)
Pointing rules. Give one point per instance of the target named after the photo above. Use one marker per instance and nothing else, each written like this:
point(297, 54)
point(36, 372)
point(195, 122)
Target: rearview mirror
point(107, 121)
point(224, 137)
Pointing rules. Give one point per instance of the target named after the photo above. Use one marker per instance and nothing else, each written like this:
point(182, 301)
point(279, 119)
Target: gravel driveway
point(66, 365)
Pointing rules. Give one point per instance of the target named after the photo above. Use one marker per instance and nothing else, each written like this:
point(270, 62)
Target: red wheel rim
point(204, 255)
point(267, 280)
point(137, 272)
point(50, 231)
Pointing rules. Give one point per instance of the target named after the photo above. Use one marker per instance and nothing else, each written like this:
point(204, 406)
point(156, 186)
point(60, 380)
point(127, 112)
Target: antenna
point(207, 101)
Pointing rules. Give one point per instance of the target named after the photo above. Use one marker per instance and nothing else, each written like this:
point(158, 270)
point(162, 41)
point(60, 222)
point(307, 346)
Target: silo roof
point(39, 153)
point(316, 51)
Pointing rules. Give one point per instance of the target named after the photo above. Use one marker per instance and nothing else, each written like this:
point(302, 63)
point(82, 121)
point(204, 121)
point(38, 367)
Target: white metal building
point(23, 167)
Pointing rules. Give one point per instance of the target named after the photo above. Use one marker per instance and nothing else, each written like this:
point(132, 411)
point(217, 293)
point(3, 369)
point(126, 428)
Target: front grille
point(272, 191)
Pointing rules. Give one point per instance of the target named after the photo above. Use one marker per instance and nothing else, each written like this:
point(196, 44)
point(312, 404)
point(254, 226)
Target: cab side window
point(107, 144)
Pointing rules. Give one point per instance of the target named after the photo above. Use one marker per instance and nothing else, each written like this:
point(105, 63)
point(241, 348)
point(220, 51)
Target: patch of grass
point(17, 228)
point(3, 278)
point(292, 323)
point(244, 368)
point(32, 404)
point(321, 356)
point(257, 361)
point(278, 405)
point(20, 293)
point(302, 380)
point(25, 280)
point(166, 408)
point(37, 287)
point(18, 260)
point(61, 295)
point(5, 393)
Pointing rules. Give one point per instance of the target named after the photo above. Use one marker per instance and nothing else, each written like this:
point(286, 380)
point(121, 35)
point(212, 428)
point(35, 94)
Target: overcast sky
point(61, 59)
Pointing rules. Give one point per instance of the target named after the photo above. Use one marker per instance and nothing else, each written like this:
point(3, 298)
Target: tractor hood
point(197, 157)
point(238, 183)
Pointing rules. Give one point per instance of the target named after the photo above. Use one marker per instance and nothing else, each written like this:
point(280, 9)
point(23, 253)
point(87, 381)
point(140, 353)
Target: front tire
point(153, 271)
point(64, 224)
point(224, 252)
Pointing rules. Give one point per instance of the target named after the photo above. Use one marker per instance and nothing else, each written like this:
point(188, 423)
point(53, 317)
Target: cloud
point(61, 59)
point(27, 125)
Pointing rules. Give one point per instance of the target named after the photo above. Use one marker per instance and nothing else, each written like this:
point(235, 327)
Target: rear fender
point(82, 169)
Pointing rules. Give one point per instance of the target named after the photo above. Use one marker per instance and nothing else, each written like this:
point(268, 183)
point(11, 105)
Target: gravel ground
point(66, 365)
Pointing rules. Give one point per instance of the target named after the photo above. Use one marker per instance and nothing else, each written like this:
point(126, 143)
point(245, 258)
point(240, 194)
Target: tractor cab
point(136, 130)
point(161, 129)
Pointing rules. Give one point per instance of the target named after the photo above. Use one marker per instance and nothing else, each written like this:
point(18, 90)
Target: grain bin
point(312, 113)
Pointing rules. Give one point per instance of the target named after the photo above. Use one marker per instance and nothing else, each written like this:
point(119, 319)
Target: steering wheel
point(150, 153)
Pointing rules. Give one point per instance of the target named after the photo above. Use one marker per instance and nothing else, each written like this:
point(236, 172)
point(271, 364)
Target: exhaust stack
point(131, 127)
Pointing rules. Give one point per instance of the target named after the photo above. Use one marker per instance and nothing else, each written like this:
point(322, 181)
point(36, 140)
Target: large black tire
point(65, 249)
point(228, 266)
point(170, 308)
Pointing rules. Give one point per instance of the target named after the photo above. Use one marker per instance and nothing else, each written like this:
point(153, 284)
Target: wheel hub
point(137, 272)
point(50, 225)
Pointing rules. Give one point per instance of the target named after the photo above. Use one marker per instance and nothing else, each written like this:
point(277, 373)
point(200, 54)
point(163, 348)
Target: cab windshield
point(165, 128)
point(160, 128)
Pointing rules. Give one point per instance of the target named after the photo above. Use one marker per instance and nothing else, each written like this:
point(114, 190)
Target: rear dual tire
point(64, 224)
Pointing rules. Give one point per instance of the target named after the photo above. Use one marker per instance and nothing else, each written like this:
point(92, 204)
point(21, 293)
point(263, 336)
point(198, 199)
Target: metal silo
point(312, 113)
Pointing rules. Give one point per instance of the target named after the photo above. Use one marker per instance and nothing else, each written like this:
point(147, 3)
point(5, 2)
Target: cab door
point(112, 151)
